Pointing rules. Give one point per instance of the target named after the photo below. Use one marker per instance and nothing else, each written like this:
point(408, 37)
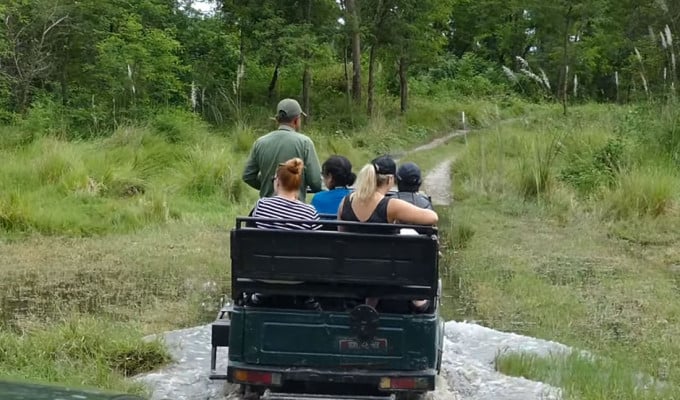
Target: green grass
point(120, 184)
point(581, 376)
point(595, 269)
point(81, 352)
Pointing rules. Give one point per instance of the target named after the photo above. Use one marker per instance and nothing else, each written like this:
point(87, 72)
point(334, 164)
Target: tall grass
point(81, 352)
point(592, 264)
point(584, 377)
point(651, 191)
point(138, 177)
point(536, 168)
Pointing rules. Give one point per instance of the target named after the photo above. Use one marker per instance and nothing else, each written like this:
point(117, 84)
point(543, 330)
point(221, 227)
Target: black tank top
point(379, 215)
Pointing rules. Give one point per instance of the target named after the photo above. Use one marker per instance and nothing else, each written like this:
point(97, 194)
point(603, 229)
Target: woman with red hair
point(284, 204)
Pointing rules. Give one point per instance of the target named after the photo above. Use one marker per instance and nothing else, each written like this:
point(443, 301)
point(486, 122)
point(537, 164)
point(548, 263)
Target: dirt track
point(437, 183)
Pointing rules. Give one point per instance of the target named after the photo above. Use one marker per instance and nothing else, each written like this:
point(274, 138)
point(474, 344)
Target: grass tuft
point(81, 351)
point(643, 192)
point(536, 169)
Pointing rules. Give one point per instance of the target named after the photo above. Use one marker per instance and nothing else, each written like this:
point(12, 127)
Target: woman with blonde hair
point(368, 203)
point(284, 204)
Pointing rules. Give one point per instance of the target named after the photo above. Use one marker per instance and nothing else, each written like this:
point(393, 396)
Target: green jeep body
point(339, 343)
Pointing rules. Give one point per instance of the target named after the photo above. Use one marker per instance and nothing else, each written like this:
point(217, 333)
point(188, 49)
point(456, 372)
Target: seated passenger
point(368, 203)
point(338, 176)
point(285, 204)
point(408, 185)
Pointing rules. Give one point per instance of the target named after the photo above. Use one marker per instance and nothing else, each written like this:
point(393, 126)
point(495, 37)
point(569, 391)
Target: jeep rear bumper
point(385, 380)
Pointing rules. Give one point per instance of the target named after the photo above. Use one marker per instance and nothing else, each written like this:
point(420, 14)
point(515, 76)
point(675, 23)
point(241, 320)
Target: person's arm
point(251, 171)
point(312, 168)
point(340, 227)
point(404, 212)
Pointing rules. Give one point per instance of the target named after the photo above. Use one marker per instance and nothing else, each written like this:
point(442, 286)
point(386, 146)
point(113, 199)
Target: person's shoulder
point(264, 137)
point(263, 201)
point(306, 206)
point(304, 138)
point(321, 196)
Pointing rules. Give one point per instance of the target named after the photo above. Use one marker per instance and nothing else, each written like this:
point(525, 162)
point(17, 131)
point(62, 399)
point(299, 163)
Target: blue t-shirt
point(327, 202)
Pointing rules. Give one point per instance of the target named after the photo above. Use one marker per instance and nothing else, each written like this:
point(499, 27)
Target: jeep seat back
point(330, 263)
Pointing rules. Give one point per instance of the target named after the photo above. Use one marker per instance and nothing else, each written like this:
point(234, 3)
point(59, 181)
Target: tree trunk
point(63, 77)
point(64, 86)
point(353, 18)
point(306, 88)
point(565, 59)
point(403, 83)
point(347, 80)
point(307, 73)
point(271, 90)
point(371, 80)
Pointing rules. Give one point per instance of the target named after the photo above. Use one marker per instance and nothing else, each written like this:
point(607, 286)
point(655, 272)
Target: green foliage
point(468, 76)
point(177, 126)
point(139, 65)
point(591, 170)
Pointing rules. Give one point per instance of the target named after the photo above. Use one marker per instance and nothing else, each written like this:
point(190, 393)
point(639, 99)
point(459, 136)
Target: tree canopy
point(107, 61)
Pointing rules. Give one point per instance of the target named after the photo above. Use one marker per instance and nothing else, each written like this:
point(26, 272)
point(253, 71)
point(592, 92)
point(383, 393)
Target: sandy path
point(437, 183)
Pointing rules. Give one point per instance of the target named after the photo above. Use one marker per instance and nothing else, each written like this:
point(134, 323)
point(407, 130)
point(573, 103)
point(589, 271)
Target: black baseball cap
point(409, 174)
point(384, 165)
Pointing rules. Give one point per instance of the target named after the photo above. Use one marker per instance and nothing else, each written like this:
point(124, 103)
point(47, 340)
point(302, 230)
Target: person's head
point(289, 112)
point(337, 171)
point(408, 177)
point(376, 176)
point(288, 177)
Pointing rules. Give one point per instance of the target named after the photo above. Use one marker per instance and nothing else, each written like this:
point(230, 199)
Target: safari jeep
point(301, 326)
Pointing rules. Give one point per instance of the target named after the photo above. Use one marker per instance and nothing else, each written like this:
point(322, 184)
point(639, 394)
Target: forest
point(99, 64)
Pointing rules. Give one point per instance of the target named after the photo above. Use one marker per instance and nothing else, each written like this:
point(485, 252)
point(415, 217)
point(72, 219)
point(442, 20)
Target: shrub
point(243, 138)
point(177, 125)
point(45, 117)
point(589, 172)
point(208, 172)
point(642, 192)
point(14, 213)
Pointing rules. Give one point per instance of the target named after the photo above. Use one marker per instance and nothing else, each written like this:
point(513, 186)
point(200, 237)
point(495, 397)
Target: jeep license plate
point(351, 345)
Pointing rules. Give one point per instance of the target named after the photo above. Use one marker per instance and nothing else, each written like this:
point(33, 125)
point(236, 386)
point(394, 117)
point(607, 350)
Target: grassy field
point(568, 230)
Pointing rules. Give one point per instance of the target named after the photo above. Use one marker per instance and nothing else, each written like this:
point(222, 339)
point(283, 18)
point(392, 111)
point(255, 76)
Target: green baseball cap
point(288, 108)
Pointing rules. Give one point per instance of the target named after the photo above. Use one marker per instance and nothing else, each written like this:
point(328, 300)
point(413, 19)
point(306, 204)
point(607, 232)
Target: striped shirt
point(281, 208)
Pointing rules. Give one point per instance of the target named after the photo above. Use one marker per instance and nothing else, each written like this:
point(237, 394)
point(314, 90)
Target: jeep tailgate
point(324, 339)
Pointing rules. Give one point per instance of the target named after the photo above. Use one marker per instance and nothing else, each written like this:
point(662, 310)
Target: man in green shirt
point(279, 146)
